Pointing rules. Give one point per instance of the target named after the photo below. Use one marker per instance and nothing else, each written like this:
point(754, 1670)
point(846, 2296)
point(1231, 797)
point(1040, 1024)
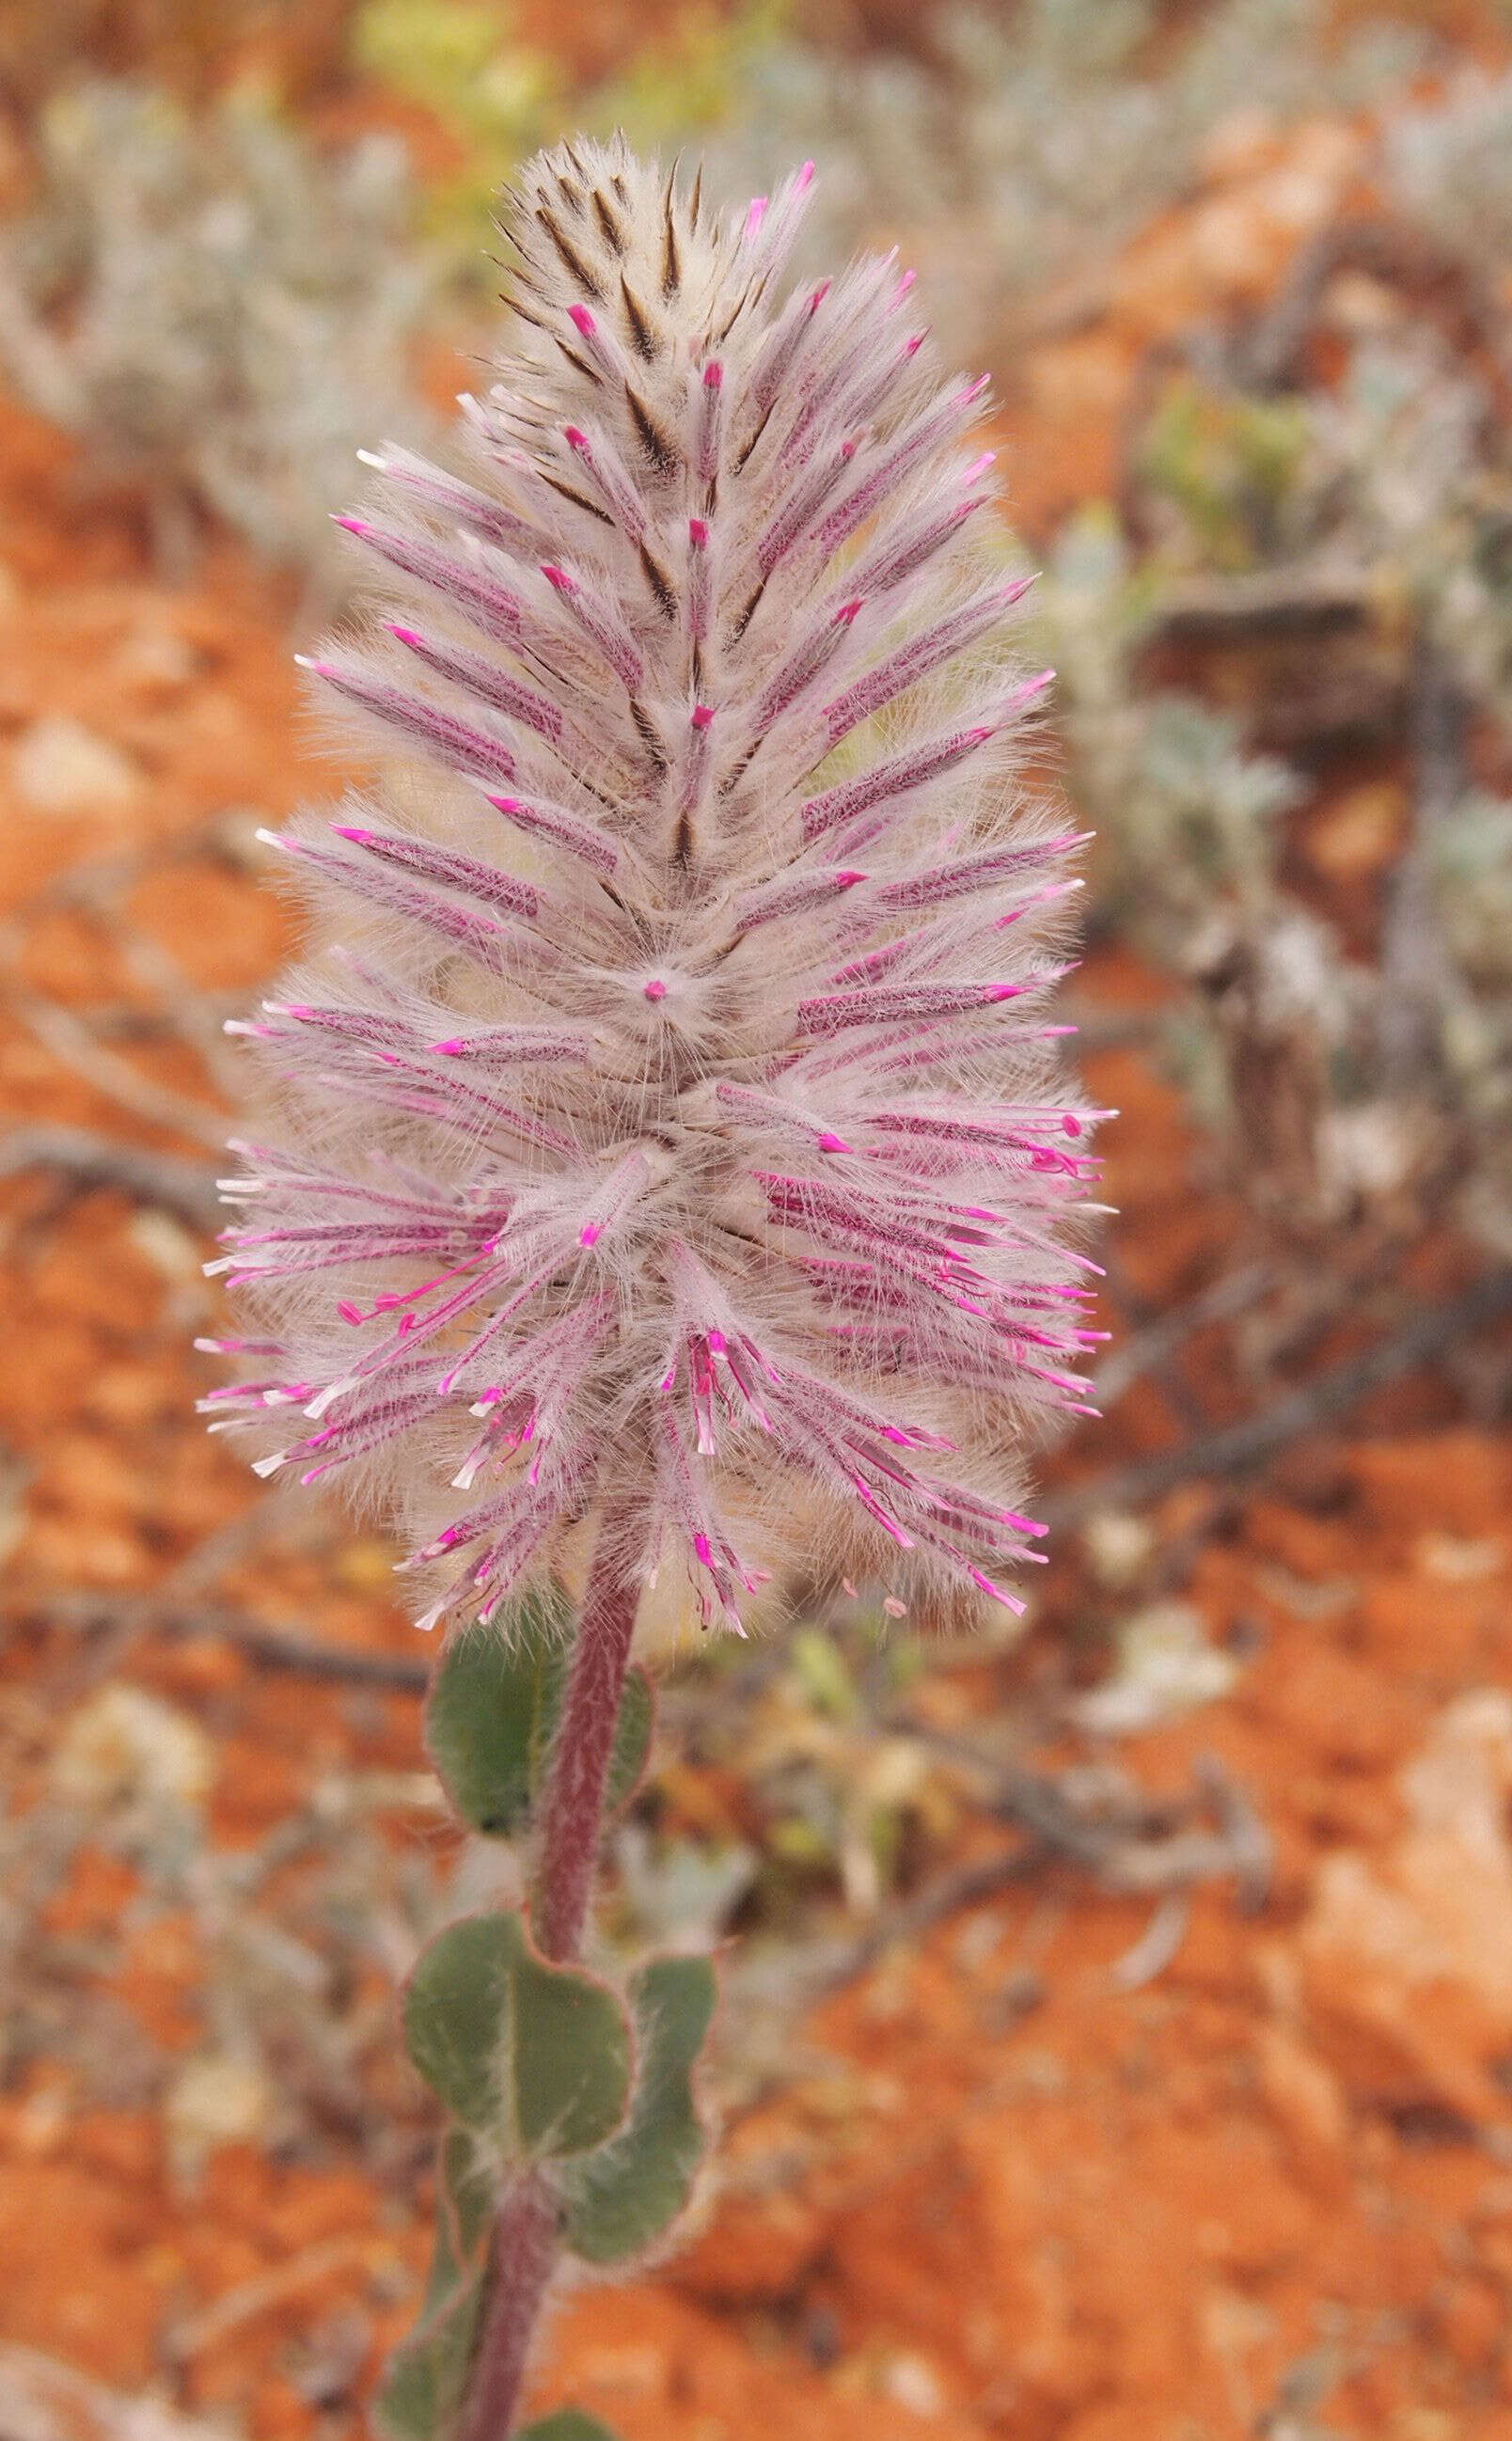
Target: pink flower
point(666, 1120)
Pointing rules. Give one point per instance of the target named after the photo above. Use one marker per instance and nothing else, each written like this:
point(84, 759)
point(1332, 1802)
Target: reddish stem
point(572, 1814)
point(523, 2250)
point(521, 2260)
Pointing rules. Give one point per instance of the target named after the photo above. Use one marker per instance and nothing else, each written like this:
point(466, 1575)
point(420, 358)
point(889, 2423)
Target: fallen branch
point(1267, 356)
point(1158, 1945)
point(1264, 601)
point(88, 1160)
point(1235, 1449)
point(1137, 1846)
point(72, 1043)
point(251, 2299)
point(275, 1648)
point(1151, 1345)
point(1131, 1845)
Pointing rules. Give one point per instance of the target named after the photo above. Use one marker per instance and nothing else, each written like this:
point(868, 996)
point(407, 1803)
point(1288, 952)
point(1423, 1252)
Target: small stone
point(1166, 1666)
point(1408, 1956)
point(218, 2099)
point(1363, 306)
point(1119, 1546)
point(126, 1746)
point(156, 664)
point(914, 2384)
point(167, 1246)
point(1360, 832)
point(60, 766)
point(1458, 1559)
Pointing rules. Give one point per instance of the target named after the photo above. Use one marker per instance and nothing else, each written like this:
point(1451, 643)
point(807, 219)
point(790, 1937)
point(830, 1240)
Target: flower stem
point(524, 2249)
point(572, 1814)
point(522, 2257)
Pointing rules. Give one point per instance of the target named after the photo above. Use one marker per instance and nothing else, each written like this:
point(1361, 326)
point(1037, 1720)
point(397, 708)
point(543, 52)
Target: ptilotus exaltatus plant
point(667, 1107)
point(663, 1144)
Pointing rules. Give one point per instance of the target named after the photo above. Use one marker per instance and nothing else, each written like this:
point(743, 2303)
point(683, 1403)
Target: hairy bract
point(666, 1122)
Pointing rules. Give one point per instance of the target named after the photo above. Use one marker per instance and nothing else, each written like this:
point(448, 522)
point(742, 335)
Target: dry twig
point(1237, 1449)
point(275, 1648)
point(1130, 1845)
point(89, 1160)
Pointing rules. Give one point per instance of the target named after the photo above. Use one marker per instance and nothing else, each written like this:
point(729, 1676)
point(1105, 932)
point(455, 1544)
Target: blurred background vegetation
point(1242, 272)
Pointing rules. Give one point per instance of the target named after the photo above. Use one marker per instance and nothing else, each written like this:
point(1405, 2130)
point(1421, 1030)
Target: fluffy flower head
point(666, 1121)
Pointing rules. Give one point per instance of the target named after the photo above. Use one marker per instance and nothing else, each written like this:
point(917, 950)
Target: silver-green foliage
point(1355, 1088)
point(1040, 136)
point(1451, 164)
point(219, 310)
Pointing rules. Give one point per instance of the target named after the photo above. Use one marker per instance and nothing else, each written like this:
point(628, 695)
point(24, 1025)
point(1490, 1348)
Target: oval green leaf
point(427, 2377)
point(492, 1709)
point(536, 2054)
point(482, 1724)
point(622, 2199)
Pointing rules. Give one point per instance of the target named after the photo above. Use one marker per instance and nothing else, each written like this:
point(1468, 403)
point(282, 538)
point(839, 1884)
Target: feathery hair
point(666, 1123)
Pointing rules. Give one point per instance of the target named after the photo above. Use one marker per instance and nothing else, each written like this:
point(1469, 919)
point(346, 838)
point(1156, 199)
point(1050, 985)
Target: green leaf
point(538, 2056)
point(453, 2010)
point(621, 2199)
point(427, 2374)
point(481, 1715)
point(494, 1706)
point(572, 2058)
point(822, 1672)
point(631, 1750)
point(568, 2424)
point(466, 2193)
point(427, 2377)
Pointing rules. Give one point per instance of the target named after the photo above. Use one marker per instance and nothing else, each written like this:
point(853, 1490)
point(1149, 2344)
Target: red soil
point(1273, 2184)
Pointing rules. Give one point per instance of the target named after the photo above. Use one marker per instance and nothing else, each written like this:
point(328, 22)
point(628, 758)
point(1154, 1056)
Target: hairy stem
point(521, 2261)
point(573, 1811)
point(523, 2250)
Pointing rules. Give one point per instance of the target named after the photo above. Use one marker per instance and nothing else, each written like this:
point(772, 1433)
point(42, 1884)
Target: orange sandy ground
point(1276, 2182)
